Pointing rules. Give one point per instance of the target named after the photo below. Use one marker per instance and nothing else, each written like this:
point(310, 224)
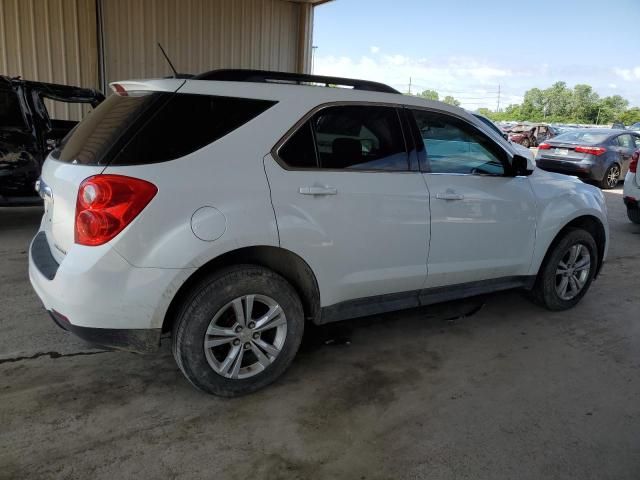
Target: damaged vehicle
point(530, 135)
point(28, 132)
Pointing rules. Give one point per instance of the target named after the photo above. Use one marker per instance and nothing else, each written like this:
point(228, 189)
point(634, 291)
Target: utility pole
point(498, 109)
point(313, 58)
point(409, 85)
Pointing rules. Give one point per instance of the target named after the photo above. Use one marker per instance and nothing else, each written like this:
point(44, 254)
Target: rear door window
point(350, 137)
point(299, 150)
point(360, 137)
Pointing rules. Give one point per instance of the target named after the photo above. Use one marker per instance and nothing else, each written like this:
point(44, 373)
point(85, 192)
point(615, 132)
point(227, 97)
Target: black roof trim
point(265, 76)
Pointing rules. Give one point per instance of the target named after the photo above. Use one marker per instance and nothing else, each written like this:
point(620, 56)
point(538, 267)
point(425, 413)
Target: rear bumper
point(100, 297)
point(131, 340)
point(583, 170)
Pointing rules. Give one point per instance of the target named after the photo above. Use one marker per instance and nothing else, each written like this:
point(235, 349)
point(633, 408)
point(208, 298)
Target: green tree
point(429, 95)
point(451, 101)
point(611, 109)
point(584, 107)
point(557, 100)
point(630, 116)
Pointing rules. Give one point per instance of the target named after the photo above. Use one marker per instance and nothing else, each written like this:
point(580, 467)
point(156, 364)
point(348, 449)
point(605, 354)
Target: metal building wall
point(50, 41)
point(201, 35)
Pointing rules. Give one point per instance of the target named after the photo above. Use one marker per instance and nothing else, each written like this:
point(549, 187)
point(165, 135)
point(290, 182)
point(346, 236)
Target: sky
point(470, 49)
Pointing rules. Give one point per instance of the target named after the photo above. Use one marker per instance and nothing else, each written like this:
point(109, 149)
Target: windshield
point(582, 136)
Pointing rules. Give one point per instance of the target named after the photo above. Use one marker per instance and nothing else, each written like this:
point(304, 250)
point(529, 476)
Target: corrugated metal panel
point(50, 41)
point(201, 35)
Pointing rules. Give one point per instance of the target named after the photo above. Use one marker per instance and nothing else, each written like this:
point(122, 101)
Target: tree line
point(560, 104)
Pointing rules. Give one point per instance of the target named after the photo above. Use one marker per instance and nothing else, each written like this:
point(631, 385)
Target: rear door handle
point(318, 190)
point(449, 196)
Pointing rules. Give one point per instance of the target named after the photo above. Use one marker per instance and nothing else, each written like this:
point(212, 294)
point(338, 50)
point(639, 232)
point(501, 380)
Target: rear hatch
point(89, 148)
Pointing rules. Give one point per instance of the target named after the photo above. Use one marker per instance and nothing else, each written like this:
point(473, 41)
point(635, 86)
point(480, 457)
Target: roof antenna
point(175, 73)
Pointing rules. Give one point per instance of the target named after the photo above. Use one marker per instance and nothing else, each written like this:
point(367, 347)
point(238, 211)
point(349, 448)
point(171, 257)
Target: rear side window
point(135, 130)
point(350, 137)
point(186, 123)
point(626, 141)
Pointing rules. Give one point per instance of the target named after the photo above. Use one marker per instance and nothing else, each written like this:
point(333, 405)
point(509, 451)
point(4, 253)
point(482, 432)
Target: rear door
point(347, 202)
point(483, 221)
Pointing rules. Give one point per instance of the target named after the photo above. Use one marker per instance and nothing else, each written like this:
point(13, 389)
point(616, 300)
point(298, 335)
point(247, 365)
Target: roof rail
point(264, 76)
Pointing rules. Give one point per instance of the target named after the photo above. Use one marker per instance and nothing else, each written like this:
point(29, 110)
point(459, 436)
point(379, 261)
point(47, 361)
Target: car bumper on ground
point(99, 296)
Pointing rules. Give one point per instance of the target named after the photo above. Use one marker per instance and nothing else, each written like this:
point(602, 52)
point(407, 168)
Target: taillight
point(106, 204)
point(119, 90)
point(633, 166)
point(597, 151)
point(544, 146)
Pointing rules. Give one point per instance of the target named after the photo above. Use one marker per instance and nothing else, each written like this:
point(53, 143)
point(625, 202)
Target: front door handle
point(318, 190)
point(449, 196)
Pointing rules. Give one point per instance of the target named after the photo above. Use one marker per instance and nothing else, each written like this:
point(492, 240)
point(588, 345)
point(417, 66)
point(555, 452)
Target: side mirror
point(505, 136)
point(521, 165)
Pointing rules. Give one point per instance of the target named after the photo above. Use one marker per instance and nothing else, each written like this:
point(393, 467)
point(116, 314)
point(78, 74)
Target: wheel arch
point(589, 223)
point(284, 262)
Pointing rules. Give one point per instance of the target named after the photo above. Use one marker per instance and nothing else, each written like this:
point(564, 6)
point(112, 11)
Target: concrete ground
point(512, 391)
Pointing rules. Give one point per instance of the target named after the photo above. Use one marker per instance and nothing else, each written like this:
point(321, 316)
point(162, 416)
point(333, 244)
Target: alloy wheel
point(613, 176)
point(573, 271)
point(245, 336)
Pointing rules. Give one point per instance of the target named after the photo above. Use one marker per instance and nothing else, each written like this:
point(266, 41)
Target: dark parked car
point(28, 133)
point(596, 154)
point(530, 135)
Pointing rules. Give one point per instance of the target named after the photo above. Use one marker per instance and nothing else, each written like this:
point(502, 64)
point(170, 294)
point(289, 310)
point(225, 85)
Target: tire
point(610, 178)
point(211, 314)
point(546, 289)
point(634, 214)
point(526, 143)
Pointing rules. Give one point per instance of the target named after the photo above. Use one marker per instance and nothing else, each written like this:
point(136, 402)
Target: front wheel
point(239, 331)
point(567, 271)
point(526, 143)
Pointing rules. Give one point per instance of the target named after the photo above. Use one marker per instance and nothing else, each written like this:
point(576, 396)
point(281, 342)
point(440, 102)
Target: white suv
point(231, 208)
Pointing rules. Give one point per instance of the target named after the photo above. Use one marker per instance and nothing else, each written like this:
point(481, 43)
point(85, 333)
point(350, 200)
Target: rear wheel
point(526, 143)
point(567, 272)
point(611, 177)
point(633, 214)
point(239, 331)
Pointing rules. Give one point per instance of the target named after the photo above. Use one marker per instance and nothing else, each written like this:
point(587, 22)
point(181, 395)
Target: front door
point(483, 222)
point(347, 203)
